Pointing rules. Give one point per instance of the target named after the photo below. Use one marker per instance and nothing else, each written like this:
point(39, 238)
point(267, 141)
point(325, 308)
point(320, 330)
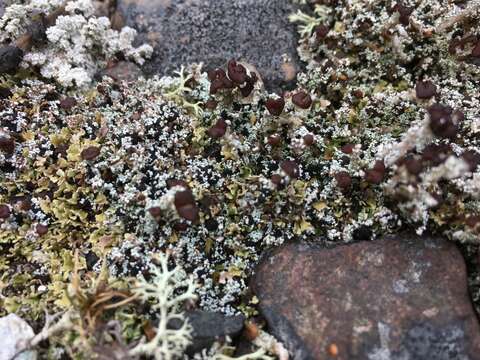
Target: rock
point(102, 8)
point(5, 93)
point(397, 298)
point(211, 326)
point(123, 71)
point(14, 333)
point(214, 31)
point(10, 58)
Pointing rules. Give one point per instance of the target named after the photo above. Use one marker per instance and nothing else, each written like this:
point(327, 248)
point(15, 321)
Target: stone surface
point(211, 326)
point(14, 333)
point(122, 70)
point(393, 299)
point(10, 58)
point(214, 31)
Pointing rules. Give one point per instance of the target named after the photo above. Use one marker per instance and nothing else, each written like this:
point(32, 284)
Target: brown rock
point(396, 298)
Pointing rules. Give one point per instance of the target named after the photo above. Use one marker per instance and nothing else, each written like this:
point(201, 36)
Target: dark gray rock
point(209, 327)
point(214, 31)
point(10, 58)
point(424, 342)
point(400, 298)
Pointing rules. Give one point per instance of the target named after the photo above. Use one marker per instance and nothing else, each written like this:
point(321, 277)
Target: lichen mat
point(380, 136)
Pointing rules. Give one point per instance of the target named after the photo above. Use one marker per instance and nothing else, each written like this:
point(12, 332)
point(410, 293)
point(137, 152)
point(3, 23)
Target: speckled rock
point(214, 31)
point(393, 299)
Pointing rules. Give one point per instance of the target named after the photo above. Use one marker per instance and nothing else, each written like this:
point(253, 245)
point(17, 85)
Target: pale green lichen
point(166, 293)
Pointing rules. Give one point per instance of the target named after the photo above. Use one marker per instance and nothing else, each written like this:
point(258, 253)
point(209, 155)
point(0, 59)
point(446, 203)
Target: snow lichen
point(167, 290)
point(76, 46)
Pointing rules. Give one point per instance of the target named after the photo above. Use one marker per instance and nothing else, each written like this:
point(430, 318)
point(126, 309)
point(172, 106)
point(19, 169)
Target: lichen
point(168, 291)
point(380, 136)
point(75, 47)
